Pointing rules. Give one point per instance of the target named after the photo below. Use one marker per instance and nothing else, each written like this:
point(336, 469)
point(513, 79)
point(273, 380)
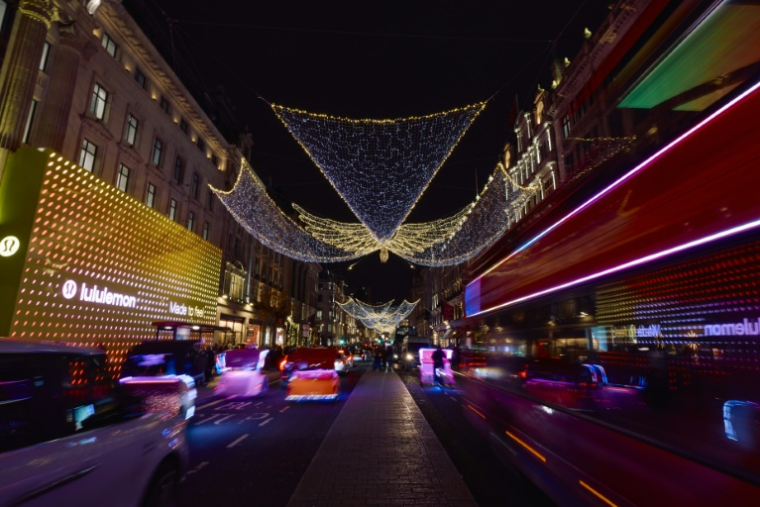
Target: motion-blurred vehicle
point(70, 436)
point(410, 350)
point(427, 373)
point(343, 362)
point(310, 374)
point(349, 357)
point(242, 374)
point(165, 374)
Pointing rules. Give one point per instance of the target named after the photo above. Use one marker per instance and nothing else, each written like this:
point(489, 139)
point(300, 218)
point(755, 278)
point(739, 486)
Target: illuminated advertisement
point(91, 264)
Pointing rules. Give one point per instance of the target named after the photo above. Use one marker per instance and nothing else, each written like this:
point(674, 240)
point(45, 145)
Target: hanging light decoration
point(379, 167)
point(382, 318)
point(443, 242)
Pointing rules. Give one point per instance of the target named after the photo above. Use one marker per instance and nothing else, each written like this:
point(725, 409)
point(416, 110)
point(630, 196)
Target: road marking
point(208, 419)
point(257, 417)
point(258, 403)
point(223, 418)
point(236, 442)
point(235, 405)
point(262, 423)
point(284, 409)
point(209, 404)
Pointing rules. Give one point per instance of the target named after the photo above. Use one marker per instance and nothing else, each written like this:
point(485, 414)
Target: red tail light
point(283, 363)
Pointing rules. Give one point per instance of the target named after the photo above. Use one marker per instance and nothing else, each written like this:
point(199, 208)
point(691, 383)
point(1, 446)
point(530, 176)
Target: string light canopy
point(382, 318)
point(380, 168)
point(442, 242)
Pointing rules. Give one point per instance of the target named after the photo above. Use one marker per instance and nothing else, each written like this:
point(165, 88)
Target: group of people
point(383, 358)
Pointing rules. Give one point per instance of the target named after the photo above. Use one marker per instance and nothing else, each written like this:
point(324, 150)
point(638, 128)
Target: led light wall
point(96, 266)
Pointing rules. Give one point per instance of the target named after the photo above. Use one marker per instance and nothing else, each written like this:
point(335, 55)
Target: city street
point(255, 451)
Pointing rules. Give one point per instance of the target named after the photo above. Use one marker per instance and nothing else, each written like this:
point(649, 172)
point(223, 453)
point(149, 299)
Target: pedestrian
point(378, 359)
point(437, 358)
point(389, 359)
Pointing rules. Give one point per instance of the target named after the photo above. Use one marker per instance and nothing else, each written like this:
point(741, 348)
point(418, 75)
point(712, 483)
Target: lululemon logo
point(69, 289)
point(9, 246)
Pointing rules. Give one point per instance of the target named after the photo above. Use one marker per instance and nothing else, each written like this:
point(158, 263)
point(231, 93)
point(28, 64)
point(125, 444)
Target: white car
point(69, 437)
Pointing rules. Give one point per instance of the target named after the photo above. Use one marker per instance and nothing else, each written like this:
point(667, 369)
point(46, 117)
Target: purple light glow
point(619, 181)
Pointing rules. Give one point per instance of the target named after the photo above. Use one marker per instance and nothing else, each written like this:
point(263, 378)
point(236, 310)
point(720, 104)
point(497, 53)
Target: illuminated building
point(93, 88)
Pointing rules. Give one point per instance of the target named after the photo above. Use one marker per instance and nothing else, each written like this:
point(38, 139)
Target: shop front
point(93, 265)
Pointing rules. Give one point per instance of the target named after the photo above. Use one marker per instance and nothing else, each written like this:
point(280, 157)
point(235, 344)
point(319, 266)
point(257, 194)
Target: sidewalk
point(381, 451)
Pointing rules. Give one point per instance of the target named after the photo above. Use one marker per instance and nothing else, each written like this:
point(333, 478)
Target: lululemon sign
point(69, 289)
point(9, 245)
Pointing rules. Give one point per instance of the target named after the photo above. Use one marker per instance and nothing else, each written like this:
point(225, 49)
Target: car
point(305, 358)
point(343, 362)
point(70, 436)
point(310, 374)
point(242, 374)
point(167, 357)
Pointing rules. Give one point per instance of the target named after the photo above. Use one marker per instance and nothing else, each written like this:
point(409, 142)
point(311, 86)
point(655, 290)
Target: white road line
point(223, 418)
point(258, 403)
point(262, 423)
point(284, 409)
point(209, 404)
point(236, 442)
point(207, 419)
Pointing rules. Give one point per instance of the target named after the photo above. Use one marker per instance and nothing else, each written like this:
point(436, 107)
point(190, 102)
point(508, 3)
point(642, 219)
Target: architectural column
point(18, 75)
point(54, 117)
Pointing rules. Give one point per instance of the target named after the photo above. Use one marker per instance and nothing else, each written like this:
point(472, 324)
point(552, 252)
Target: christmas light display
point(382, 318)
point(379, 167)
point(442, 242)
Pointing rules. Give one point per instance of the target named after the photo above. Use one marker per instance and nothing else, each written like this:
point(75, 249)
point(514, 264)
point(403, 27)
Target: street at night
point(400, 253)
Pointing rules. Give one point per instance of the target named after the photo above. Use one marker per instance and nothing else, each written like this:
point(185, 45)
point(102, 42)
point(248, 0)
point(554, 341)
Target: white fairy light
point(383, 318)
point(379, 167)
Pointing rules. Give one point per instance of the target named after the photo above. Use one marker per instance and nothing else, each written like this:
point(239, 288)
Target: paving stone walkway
point(381, 451)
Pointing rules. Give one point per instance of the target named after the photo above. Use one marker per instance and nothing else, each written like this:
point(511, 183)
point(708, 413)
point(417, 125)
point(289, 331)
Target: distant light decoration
point(379, 167)
point(382, 318)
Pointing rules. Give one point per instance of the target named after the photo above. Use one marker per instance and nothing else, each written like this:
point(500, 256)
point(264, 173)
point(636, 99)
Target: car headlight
point(409, 357)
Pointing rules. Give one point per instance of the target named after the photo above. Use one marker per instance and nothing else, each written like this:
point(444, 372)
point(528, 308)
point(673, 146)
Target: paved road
point(254, 451)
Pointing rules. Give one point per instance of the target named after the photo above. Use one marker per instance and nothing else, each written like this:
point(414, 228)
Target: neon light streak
point(528, 447)
point(597, 494)
point(476, 411)
point(625, 177)
point(635, 262)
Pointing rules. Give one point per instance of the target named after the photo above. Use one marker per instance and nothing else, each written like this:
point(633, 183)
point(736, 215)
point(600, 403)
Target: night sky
point(368, 59)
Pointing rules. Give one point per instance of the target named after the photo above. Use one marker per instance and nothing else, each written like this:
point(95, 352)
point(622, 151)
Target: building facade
point(83, 80)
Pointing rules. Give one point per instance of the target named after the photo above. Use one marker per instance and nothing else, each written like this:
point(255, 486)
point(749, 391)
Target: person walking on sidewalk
point(389, 359)
point(378, 359)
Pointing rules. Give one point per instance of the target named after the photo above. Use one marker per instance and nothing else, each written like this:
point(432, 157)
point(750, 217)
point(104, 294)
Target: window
point(215, 160)
point(140, 78)
point(319, 314)
point(109, 44)
point(210, 200)
point(164, 104)
point(200, 144)
point(158, 148)
point(29, 122)
point(548, 141)
point(150, 195)
point(172, 209)
point(195, 185)
point(87, 155)
point(566, 126)
point(205, 231)
point(45, 56)
point(190, 221)
point(122, 178)
point(178, 170)
point(130, 134)
point(99, 101)
point(183, 125)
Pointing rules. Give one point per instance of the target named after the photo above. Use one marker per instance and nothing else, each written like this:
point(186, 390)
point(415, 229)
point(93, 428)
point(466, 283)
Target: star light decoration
point(382, 318)
point(443, 242)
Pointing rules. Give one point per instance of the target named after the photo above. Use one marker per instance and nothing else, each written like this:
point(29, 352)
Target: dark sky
point(370, 59)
